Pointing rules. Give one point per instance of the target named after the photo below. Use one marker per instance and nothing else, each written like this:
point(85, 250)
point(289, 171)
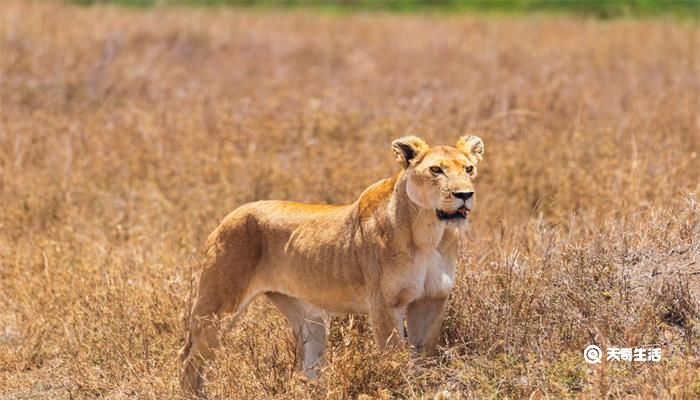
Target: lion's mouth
point(460, 213)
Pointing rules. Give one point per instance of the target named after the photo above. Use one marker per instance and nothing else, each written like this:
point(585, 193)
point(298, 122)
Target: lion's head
point(441, 178)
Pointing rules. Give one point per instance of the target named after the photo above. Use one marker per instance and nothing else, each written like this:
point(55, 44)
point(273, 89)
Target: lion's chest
point(428, 274)
point(436, 272)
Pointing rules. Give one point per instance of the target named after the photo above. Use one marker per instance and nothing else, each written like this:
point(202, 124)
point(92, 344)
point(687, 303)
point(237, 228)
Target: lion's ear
point(472, 146)
point(407, 148)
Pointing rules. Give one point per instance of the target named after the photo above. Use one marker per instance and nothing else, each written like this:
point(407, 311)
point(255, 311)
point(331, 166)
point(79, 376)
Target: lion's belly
point(319, 267)
point(336, 288)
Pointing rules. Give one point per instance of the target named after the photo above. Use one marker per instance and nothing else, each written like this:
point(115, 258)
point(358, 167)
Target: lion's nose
point(463, 195)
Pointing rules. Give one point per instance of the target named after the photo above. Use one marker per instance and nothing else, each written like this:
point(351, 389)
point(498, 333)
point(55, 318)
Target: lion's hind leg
point(225, 289)
point(203, 338)
point(309, 331)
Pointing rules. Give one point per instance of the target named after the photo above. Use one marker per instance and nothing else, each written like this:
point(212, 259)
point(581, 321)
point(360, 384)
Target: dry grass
point(126, 135)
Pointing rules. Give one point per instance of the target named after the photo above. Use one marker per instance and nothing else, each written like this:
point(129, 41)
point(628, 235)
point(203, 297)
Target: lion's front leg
point(424, 319)
point(387, 324)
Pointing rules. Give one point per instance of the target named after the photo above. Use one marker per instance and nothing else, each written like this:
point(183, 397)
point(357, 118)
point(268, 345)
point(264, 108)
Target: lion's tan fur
point(386, 255)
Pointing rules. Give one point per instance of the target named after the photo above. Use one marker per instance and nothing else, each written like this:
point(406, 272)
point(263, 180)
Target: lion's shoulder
point(375, 195)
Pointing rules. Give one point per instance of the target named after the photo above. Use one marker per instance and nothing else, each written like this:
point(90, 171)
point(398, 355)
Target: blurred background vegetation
point(597, 8)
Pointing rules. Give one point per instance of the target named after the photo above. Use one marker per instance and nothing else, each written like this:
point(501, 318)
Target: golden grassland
point(126, 135)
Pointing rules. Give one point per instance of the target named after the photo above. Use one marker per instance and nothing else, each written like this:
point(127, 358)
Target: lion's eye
point(436, 170)
point(469, 169)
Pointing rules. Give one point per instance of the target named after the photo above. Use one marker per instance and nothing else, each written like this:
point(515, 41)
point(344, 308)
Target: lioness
point(390, 254)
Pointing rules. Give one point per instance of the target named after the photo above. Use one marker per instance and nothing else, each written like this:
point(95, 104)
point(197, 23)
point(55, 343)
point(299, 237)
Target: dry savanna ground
point(127, 134)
